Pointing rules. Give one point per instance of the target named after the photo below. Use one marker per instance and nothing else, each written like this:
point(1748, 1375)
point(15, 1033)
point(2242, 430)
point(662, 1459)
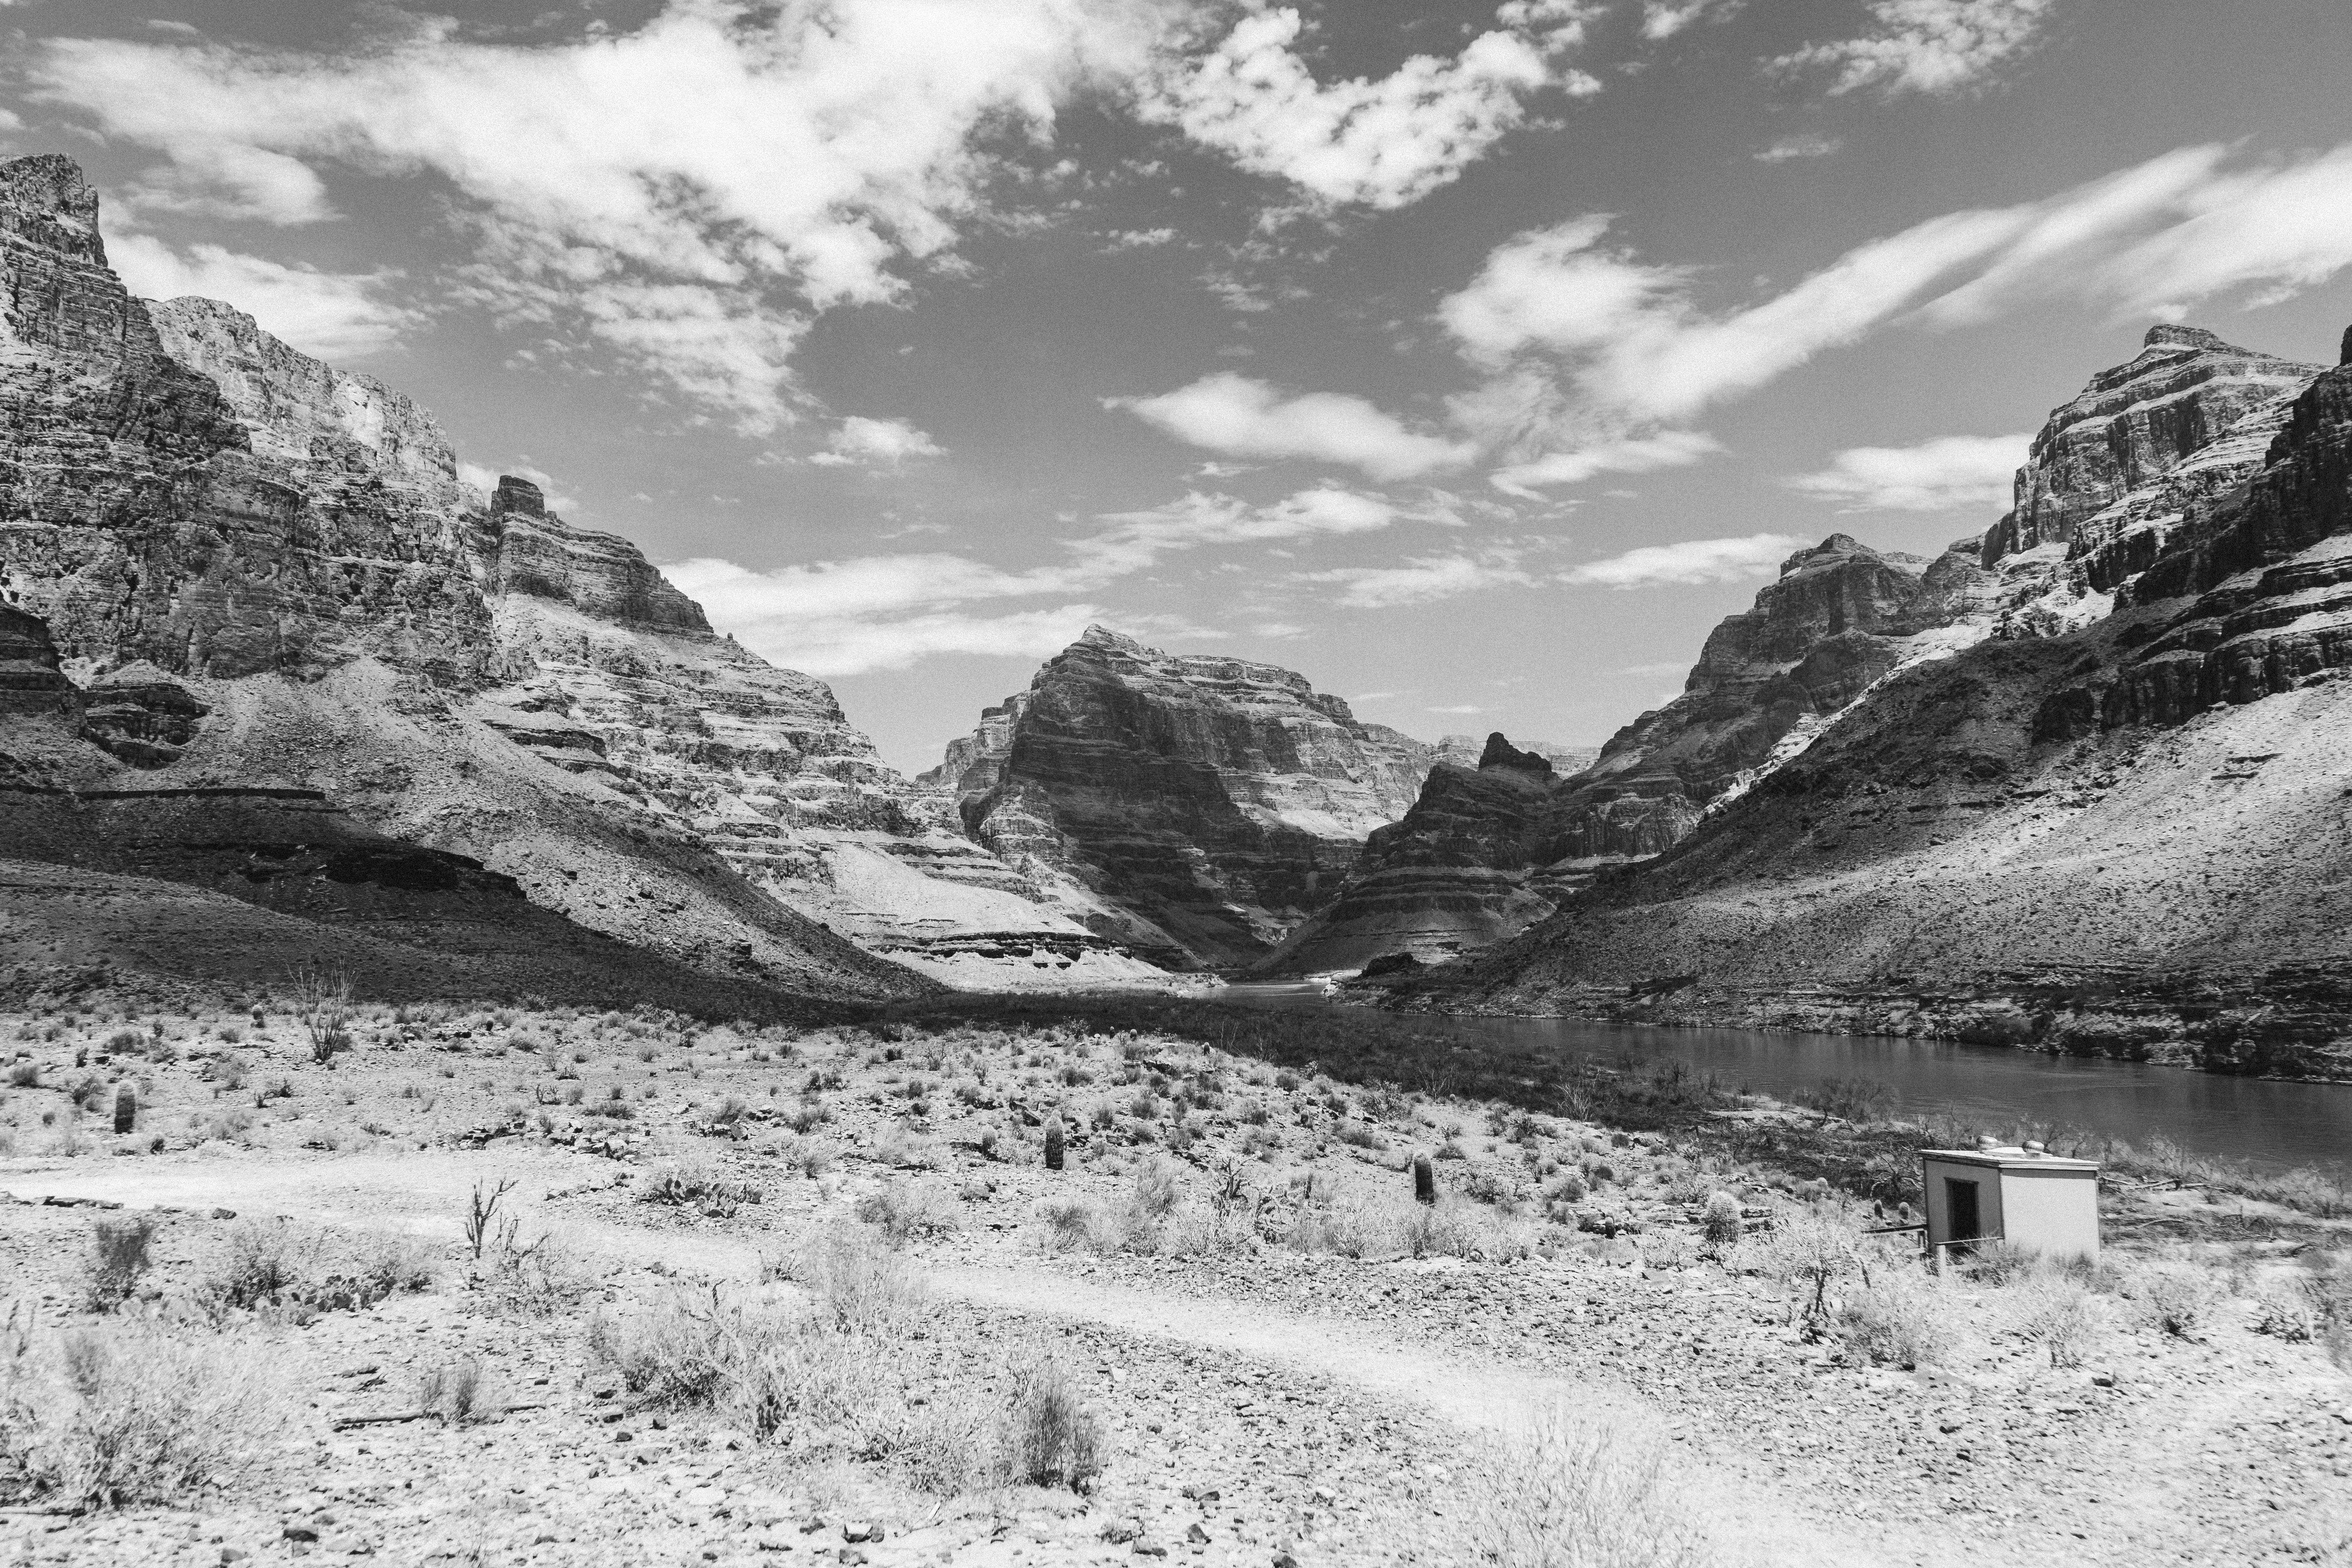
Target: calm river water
point(1996, 1089)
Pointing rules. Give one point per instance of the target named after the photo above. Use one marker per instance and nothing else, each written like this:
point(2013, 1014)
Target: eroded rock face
point(1209, 800)
point(2134, 424)
point(2123, 836)
point(257, 571)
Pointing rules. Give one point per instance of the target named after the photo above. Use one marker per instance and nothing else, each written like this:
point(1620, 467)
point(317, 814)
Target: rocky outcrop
point(1207, 804)
point(2132, 425)
point(258, 571)
point(1467, 750)
point(1485, 852)
point(2124, 837)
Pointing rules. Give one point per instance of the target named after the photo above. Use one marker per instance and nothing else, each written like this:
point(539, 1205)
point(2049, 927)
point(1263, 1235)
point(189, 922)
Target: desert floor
point(1284, 1356)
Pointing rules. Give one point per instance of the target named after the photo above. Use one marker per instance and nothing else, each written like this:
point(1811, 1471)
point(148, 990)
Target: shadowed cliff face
point(1209, 800)
point(262, 572)
point(2127, 837)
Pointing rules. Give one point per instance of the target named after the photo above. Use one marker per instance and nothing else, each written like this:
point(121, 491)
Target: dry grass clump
point(2058, 1314)
point(1901, 1317)
point(94, 1418)
point(1809, 1248)
point(851, 1373)
point(903, 1211)
point(274, 1266)
point(456, 1393)
point(1570, 1495)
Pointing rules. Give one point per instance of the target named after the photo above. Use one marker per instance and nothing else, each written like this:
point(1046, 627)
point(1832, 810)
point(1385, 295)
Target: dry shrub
point(1565, 1494)
point(1070, 1224)
point(114, 1417)
point(706, 1188)
point(1049, 1435)
point(455, 1393)
point(1809, 1248)
point(276, 1266)
point(118, 1259)
point(855, 1281)
point(2176, 1302)
point(903, 1211)
point(2056, 1313)
point(1900, 1319)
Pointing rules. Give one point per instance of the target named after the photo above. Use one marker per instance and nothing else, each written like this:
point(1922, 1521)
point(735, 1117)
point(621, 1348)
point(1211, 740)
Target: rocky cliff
point(2121, 832)
point(1206, 803)
point(259, 571)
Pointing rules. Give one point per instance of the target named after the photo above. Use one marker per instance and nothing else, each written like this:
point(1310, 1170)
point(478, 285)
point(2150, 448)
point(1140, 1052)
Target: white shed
point(2042, 1202)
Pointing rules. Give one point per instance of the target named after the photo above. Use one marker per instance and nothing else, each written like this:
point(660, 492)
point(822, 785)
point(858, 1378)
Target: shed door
point(1960, 1210)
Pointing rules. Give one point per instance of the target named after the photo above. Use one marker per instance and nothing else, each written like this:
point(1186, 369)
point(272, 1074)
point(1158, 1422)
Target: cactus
point(1722, 1224)
point(1424, 1180)
point(126, 1109)
point(1054, 1144)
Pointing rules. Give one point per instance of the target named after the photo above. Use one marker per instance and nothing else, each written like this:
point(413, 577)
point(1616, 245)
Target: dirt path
point(425, 1193)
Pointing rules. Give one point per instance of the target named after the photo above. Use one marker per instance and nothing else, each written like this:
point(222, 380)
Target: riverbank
point(2282, 1025)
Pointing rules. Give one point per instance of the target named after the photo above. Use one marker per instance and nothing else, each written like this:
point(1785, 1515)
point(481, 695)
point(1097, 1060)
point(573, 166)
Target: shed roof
point(2006, 1157)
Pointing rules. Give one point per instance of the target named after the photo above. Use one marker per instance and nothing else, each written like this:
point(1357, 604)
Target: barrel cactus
point(1054, 1144)
point(126, 1109)
point(1424, 1180)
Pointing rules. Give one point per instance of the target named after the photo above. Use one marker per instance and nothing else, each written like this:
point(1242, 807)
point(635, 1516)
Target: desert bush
point(1070, 1224)
point(118, 1259)
point(2002, 1262)
point(1721, 1226)
point(900, 1147)
point(322, 1002)
point(25, 1075)
point(2325, 1287)
point(276, 1267)
point(2175, 1301)
point(1049, 1435)
point(903, 1210)
point(1900, 1319)
point(2285, 1315)
point(1810, 1248)
point(455, 1393)
point(2055, 1313)
point(255, 1272)
point(124, 1415)
point(1564, 1495)
point(856, 1282)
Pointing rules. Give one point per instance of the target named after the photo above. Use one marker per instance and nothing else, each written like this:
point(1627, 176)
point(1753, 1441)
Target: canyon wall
point(2122, 832)
point(262, 573)
point(1208, 804)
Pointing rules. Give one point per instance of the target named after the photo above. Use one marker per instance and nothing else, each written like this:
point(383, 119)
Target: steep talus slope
point(264, 573)
point(1207, 802)
point(2129, 837)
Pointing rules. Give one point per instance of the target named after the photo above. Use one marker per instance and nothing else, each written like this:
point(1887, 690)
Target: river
point(2271, 1122)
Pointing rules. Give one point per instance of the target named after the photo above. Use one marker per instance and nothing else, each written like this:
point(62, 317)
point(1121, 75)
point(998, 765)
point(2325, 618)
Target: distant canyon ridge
point(274, 683)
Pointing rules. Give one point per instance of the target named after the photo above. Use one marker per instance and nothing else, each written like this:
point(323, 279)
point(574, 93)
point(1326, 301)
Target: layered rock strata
point(262, 572)
point(1207, 803)
point(2125, 836)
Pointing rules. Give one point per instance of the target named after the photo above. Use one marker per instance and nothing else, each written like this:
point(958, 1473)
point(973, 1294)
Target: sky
point(1472, 359)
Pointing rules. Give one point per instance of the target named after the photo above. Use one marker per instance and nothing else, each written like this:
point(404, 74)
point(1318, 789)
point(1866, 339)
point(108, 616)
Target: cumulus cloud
point(1242, 418)
point(1137, 539)
point(1934, 47)
point(333, 315)
point(1692, 560)
point(1381, 143)
point(686, 193)
point(1419, 581)
point(883, 443)
point(1941, 475)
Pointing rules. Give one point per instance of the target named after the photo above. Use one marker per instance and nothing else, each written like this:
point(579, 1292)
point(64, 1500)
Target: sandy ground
point(1262, 1401)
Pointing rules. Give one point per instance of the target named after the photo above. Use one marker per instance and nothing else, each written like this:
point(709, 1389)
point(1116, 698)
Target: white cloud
point(1940, 475)
point(1936, 47)
point(1692, 560)
point(333, 315)
point(883, 612)
point(1236, 416)
point(1457, 708)
point(1617, 341)
point(686, 193)
point(1662, 19)
point(1419, 580)
point(1624, 455)
point(1381, 144)
point(1789, 148)
point(876, 442)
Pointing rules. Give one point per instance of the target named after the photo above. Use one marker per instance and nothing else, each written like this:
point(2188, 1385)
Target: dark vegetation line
point(1852, 1141)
